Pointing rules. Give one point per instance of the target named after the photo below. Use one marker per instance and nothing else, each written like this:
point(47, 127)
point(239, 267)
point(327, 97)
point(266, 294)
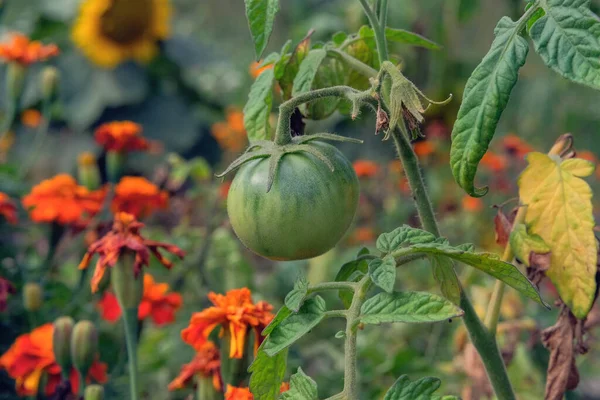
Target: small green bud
point(61, 343)
point(15, 80)
point(93, 392)
point(32, 296)
point(50, 78)
point(115, 165)
point(84, 346)
point(88, 173)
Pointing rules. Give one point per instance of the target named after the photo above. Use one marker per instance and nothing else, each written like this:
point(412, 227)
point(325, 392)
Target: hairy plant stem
point(378, 29)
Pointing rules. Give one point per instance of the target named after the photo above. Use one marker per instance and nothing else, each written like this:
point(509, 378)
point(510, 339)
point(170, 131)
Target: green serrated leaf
point(383, 273)
point(422, 389)
point(295, 326)
point(402, 236)
point(339, 37)
point(351, 271)
point(295, 298)
point(267, 374)
point(400, 36)
point(308, 70)
point(261, 16)
point(445, 276)
point(523, 243)
point(258, 107)
point(485, 97)
point(302, 387)
point(568, 40)
point(410, 307)
point(282, 314)
point(286, 81)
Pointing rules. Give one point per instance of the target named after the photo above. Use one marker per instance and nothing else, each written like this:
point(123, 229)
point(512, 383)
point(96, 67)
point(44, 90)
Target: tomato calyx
point(268, 149)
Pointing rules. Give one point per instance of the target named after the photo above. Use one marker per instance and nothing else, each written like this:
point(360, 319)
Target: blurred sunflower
point(110, 32)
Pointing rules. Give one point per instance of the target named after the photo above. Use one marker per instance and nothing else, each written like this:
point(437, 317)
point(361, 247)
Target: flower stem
point(38, 140)
point(130, 322)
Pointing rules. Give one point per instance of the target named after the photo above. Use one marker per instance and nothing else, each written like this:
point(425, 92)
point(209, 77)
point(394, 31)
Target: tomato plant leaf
point(295, 326)
point(295, 298)
point(352, 271)
point(282, 314)
point(302, 387)
point(258, 107)
point(568, 40)
point(445, 276)
point(308, 70)
point(286, 81)
point(559, 210)
point(261, 16)
point(267, 374)
point(485, 97)
point(399, 237)
point(524, 243)
point(422, 389)
point(411, 307)
point(383, 273)
point(399, 36)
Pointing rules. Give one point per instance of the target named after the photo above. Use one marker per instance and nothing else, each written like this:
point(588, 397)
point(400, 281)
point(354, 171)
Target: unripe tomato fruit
point(307, 211)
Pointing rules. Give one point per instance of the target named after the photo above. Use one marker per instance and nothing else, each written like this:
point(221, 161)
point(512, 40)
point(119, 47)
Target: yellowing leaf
point(560, 212)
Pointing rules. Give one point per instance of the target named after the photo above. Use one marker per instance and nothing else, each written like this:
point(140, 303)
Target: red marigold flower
point(7, 208)
point(472, 204)
point(424, 148)
point(121, 136)
point(156, 302)
point(235, 313)
point(61, 199)
point(138, 196)
point(515, 146)
point(206, 363)
point(236, 393)
point(23, 51)
point(494, 162)
point(6, 288)
point(365, 168)
point(125, 236)
point(31, 356)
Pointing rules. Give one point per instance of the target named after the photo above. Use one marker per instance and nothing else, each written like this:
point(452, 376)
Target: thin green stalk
point(383, 13)
point(130, 321)
point(332, 286)
point(354, 63)
point(379, 30)
point(38, 140)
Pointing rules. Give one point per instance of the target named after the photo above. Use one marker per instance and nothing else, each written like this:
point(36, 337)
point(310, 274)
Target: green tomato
point(307, 211)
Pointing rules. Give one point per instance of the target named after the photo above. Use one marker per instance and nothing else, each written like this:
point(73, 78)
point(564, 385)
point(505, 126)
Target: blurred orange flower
point(515, 146)
point(121, 136)
point(395, 167)
point(31, 356)
point(235, 313)
point(138, 196)
point(494, 162)
point(23, 51)
point(224, 190)
point(60, 199)
point(156, 302)
point(363, 234)
point(206, 363)
point(235, 393)
point(125, 236)
point(31, 118)
point(587, 155)
point(472, 204)
point(256, 69)
point(231, 134)
point(6, 288)
point(424, 148)
point(365, 168)
point(7, 208)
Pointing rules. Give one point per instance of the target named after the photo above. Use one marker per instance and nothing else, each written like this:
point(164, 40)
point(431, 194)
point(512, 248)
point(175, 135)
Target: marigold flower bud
point(15, 80)
point(88, 173)
point(128, 287)
point(94, 392)
point(115, 164)
point(50, 77)
point(32, 296)
point(84, 346)
point(61, 343)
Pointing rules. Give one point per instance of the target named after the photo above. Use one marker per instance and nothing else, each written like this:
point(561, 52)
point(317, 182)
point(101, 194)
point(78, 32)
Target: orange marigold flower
point(363, 234)
point(424, 148)
point(31, 356)
point(236, 393)
point(235, 313)
point(6, 288)
point(494, 162)
point(23, 51)
point(31, 118)
point(587, 155)
point(206, 363)
point(472, 204)
point(395, 167)
point(365, 168)
point(61, 199)
point(256, 69)
point(138, 196)
point(156, 302)
point(7, 208)
point(515, 146)
point(231, 134)
point(121, 136)
point(125, 236)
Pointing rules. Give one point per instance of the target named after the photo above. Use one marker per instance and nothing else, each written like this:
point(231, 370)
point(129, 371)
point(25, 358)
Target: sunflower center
point(127, 21)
